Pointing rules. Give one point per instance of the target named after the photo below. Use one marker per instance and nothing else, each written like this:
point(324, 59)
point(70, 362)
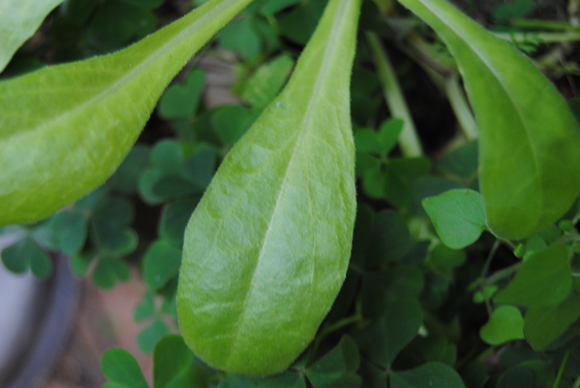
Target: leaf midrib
point(339, 20)
point(119, 84)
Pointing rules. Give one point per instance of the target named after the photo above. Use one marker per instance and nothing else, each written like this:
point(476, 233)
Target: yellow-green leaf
point(267, 248)
point(65, 129)
point(529, 140)
point(19, 19)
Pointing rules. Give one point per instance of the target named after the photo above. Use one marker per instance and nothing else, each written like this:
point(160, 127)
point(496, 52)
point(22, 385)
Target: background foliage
point(429, 299)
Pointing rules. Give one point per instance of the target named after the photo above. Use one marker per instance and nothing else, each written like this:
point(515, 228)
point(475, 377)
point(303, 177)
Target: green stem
point(544, 24)
point(461, 108)
point(496, 277)
point(540, 37)
point(447, 79)
point(408, 141)
point(489, 258)
point(325, 331)
point(561, 370)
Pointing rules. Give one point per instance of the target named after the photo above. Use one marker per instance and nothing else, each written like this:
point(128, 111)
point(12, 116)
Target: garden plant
point(392, 202)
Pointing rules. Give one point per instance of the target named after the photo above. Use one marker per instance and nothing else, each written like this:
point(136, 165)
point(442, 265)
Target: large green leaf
point(529, 161)
point(267, 248)
point(432, 374)
point(65, 129)
point(19, 19)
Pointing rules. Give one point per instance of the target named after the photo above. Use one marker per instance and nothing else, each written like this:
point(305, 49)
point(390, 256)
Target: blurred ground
point(104, 320)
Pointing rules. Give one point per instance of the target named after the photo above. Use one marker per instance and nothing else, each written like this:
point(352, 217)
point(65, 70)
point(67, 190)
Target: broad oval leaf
point(19, 19)
point(529, 140)
point(267, 248)
point(65, 129)
point(505, 324)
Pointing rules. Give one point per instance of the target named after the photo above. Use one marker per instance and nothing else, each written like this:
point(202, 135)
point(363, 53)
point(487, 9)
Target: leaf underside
point(529, 161)
point(267, 248)
point(66, 128)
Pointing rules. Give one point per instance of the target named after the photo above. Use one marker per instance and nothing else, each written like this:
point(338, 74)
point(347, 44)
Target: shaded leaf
point(432, 374)
point(120, 368)
point(182, 100)
point(505, 324)
point(544, 279)
point(457, 216)
point(543, 325)
point(149, 337)
point(386, 337)
point(161, 263)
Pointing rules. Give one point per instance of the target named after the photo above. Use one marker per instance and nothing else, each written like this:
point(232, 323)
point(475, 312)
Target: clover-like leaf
point(457, 216)
point(122, 370)
point(505, 324)
point(432, 374)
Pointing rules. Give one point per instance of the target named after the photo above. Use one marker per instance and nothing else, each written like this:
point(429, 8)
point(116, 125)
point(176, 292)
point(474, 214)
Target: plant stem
point(561, 370)
point(544, 24)
point(496, 277)
point(408, 141)
point(325, 331)
point(489, 258)
point(447, 79)
point(540, 37)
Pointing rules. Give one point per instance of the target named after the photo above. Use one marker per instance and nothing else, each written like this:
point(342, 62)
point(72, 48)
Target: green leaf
point(398, 179)
point(242, 38)
point(172, 365)
point(272, 6)
point(56, 139)
point(81, 262)
point(265, 84)
point(126, 178)
point(70, 231)
point(430, 186)
point(231, 123)
point(543, 325)
point(285, 236)
point(299, 24)
point(25, 254)
point(120, 368)
point(181, 101)
point(388, 135)
point(174, 219)
point(518, 9)
point(161, 263)
point(108, 271)
point(432, 374)
point(379, 289)
point(19, 19)
point(457, 216)
point(386, 337)
point(505, 324)
point(390, 239)
point(146, 308)
point(149, 337)
point(284, 380)
point(544, 279)
point(462, 161)
point(199, 167)
point(529, 159)
point(516, 378)
point(337, 365)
